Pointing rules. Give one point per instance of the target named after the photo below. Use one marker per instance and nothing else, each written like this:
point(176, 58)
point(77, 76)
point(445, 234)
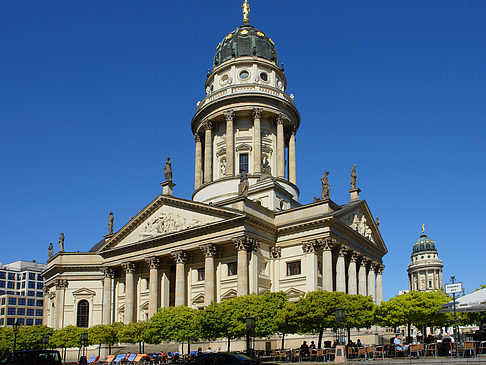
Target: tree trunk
point(283, 341)
point(349, 334)
point(229, 342)
point(409, 328)
point(319, 343)
point(188, 347)
point(109, 349)
point(99, 350)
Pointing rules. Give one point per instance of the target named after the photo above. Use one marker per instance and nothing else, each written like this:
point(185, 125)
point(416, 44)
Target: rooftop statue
point(111, 219)
point(246, 12)
point(326, 188)
point(354, 177)
point(50, 250)
point(61, 242)
point(168, 170)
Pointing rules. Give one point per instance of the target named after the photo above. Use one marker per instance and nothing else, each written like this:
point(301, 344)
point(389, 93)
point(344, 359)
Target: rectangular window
point(2, 275)
point(232, 268)
point(39, 277)
point(21, 321)
point(31, 284)
point(293, 268)
point(18, 277)
point(2, 283)
point(2, 292)
point(200, 274)
point(11, 311)
point(31, 276)
point(2, 311)
point(243, 162)
point(1, 321)
point(38, 322)
point(23, 276)
point(10, 321)
point(30, 312)
point(30, 293)
point(23, 285)
point(29, 321)
point(21, 301)
point(21, 311)
point(3, 301)
point(40, 303)
point(38, 312)
point(30, 302)
point(11, 276)
point(10, 284)
point(12, 301)
point(40, 285)
point(18, 285)
point(39, 294)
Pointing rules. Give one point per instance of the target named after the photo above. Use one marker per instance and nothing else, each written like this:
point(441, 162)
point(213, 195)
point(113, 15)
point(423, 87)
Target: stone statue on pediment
point(168, 170)
point(354, 177)
point(266, 168)
point(243, 185)
point(50, 250)
point(111, 219)
point(326, 188)
point(61, 242)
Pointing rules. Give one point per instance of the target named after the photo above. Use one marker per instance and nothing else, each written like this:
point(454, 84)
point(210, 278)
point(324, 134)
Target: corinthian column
point(257, 140)
point(372, 282)
point(209, 251)
point(198, 167)
point(45, 313)
point(352, 277)
point(362, 277)
point(310, 249)
point(379, 284)
point(292, 169)
point(129, 268)
point(341, 270)
point(280, 146)
point(61, 286)
point(327, 270)
point(180, 258)
point(107, 294)
point(153, 263)
point(208, 152)
point(230, 160)
point(242, 245)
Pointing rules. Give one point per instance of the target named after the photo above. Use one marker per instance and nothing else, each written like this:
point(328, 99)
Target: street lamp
point(84, 340)
point(250, 326)
point(340, 319)
point(16, 327)
point(45, 341)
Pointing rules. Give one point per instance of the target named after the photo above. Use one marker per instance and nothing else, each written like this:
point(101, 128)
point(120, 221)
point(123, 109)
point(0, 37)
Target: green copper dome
point(424, 243)
point(245, 41)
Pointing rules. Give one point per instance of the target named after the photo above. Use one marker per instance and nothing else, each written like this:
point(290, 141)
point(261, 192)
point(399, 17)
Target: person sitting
point(398, 342)
point(304, 349)
point(209, 350)
point(358, 343)
point(312, 345)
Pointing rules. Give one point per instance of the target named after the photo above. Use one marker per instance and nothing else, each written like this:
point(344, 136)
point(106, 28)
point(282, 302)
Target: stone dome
point(245, 41)
point(424, 243)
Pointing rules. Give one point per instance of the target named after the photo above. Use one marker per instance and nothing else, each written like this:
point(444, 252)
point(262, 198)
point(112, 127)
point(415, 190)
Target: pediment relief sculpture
point(357, 221)
point(166, 223)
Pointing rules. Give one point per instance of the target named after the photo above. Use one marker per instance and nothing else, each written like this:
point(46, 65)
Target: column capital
point(209, 249)
point(153, 262)
point(342, 251)
point(180, 256)
point(129, 267)
point(108, 272)
point(310, 246)
point(246, 243)
point(276, 252)
point(46, 289)
point(257, 113)
point(61, 284)
point(353, 256)
point(327, 243)
point(230, 115)
point(281, 117)
point(380, 267)
point(208, 125)
point(365, 261)
point(197, 138)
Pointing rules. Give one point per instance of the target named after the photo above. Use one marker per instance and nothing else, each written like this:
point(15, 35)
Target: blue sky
point(94, 96)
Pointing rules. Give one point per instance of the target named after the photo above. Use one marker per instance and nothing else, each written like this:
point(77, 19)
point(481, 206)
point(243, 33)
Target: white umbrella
point(473, 302)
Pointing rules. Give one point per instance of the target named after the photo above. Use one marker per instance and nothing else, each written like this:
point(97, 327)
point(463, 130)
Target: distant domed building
point(425, 270)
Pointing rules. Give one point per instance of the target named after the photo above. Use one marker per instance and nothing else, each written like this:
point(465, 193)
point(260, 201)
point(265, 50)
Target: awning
point(473, 302)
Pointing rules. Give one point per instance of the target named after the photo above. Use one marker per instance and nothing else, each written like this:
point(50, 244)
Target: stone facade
point(223, 244)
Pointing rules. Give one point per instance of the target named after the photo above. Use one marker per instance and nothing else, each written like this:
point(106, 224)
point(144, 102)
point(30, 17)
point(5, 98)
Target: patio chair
point(120, 358)
point(414, 350)
point(431, 348)
point(296, 355)
point(283, 356)
point(93, 359)
point(362, 353)
point(402, 351)
point(352, 352)
point(313, 354)
point(330, 354)
point(380, 352)
point(370, 350)
point(109, 359)
point(482, 347)
point(470, 347)
point(130, 358)
point(320, 355)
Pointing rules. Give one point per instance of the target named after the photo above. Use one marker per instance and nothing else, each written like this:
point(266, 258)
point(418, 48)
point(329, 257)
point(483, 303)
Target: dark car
point(32, 357)
point(221, 358)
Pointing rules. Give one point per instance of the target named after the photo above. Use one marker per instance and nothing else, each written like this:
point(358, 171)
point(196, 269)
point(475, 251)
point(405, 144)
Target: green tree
point(134, 333)
point(102, 335)
point(30, 338)
point(287, 321)
point(265, 308)
point(67, 337)
point(6, 339)
point(174, 324)
point(359, 311)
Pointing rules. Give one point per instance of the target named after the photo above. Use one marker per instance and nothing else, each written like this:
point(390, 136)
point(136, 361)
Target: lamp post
point(340, 319)
point(84, 340)
point(456, 330)
point(16, 327)
point(250, 326)
point(45, 341)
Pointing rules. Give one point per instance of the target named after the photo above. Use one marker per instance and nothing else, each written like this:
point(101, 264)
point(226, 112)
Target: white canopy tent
point(473, 302)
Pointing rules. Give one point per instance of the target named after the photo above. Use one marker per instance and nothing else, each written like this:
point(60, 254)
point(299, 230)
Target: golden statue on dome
point(246, 11)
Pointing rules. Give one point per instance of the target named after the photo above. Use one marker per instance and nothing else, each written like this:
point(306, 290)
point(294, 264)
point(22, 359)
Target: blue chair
point(120, 358)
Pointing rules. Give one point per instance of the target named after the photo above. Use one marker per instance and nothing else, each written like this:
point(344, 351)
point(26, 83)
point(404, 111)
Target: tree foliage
point(174, 324)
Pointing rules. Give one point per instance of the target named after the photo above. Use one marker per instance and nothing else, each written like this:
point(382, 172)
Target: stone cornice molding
point(230, 115)
point(129, 267)
point(108, 272)
point(257, 113)
point(276, 252)
point(310, 246)
point(180, 256)
point(153, 262)
point(61, 284)
point(209, 249)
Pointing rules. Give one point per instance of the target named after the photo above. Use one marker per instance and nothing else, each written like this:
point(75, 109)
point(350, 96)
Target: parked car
point(32, 357)
point(221, 358)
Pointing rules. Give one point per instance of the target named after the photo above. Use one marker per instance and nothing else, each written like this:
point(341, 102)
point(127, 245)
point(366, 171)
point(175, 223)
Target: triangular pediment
point(166, 216)
point(198, 299)
point(229, 294)
point(294, 294)
point(358, 218)
point(84, 292)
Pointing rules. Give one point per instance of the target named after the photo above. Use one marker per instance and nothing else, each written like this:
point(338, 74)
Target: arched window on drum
point(83, 314)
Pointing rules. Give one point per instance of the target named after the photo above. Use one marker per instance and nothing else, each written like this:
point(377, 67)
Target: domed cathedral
point(425, 270)
point(244, 230)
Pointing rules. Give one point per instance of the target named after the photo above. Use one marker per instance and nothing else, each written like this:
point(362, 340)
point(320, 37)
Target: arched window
point(83, 314)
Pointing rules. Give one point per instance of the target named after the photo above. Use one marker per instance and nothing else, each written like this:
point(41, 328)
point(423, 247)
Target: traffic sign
point(453, 288)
